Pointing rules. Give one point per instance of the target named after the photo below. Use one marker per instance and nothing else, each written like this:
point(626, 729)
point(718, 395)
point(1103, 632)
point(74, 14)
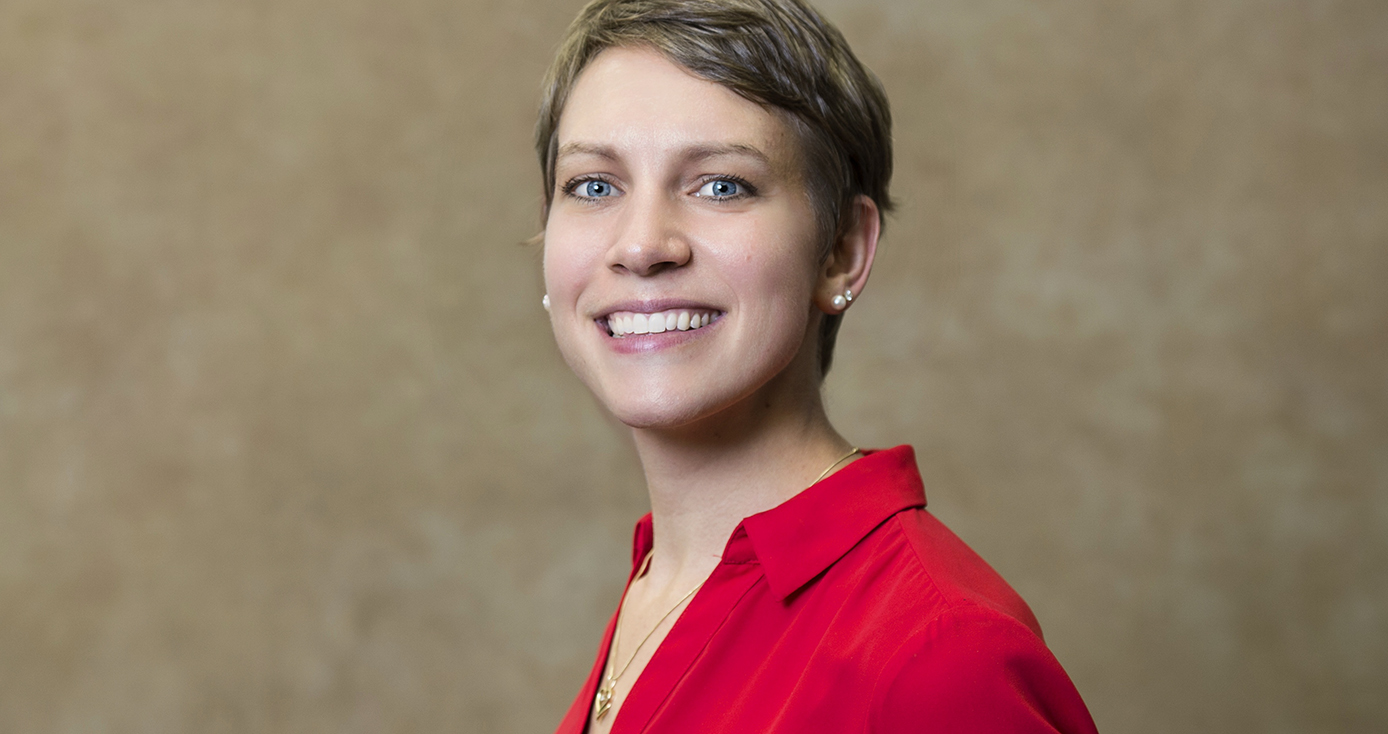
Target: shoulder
point(974, 669)
point(948, 573)
point(974, 659)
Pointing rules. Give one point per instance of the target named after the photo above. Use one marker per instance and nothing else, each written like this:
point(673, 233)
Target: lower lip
point(647, 343)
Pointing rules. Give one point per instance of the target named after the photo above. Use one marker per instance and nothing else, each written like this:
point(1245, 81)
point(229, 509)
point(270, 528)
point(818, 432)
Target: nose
point(651, 239)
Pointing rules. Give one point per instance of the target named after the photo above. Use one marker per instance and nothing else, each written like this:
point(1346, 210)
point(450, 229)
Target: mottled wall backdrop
point(285, 445)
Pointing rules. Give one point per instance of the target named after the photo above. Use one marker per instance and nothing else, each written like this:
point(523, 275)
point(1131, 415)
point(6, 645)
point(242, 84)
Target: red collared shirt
point(848, 608)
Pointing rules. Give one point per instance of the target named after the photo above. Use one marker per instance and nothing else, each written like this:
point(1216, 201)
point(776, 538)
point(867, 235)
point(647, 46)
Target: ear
point(850, 260)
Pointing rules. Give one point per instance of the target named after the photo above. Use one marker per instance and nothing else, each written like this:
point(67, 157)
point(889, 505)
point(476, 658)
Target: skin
point(700, 202)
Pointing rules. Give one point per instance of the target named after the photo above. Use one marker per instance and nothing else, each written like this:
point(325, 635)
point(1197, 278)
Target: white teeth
point(627, 323)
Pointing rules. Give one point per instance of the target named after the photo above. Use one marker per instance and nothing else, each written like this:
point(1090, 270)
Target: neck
point(704, 479)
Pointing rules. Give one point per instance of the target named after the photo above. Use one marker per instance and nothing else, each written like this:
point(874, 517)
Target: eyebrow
point(692, 154)
point(702, 152)
point(601, 151)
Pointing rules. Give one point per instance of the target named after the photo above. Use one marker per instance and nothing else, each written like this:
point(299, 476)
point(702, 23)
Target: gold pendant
point(603, 701)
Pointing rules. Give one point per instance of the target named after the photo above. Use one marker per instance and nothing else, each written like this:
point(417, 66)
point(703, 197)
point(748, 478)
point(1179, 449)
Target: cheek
point(567, 265)
point(566, 258)
point(565, 275)
point(776, 268)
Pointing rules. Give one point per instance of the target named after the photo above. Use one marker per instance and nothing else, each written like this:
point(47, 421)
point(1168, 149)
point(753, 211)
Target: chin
point(660, 412)
point(681, 407)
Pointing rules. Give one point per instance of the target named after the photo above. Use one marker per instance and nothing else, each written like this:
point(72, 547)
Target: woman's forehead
point(634, 102)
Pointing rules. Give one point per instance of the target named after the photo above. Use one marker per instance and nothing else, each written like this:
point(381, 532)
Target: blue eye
point(597, 189)
point(720, 188)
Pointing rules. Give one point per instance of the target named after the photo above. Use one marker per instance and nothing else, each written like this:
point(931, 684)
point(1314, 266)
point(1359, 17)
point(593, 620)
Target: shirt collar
point(801, 537)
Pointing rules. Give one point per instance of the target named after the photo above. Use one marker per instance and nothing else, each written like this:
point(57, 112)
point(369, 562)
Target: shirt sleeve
point(977, 670)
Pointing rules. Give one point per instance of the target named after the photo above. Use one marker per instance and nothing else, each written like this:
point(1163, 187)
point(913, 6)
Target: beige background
point(285, 445)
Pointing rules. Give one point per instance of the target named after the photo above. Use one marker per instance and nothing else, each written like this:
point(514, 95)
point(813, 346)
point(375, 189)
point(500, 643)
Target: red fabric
point(848, 608)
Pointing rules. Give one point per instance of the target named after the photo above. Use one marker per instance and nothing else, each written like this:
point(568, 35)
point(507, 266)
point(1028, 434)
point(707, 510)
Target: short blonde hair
point(778, 53)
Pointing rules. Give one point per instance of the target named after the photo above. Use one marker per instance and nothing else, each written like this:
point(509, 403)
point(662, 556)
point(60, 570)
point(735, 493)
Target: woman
point(716, 175)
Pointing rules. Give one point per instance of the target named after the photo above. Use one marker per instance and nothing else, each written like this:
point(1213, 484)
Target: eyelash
point(571, 186)
point(747, 190)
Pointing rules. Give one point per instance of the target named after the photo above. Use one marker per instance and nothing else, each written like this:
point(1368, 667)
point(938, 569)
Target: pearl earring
point(840, 303)
point(545, 301)
point(848, 296)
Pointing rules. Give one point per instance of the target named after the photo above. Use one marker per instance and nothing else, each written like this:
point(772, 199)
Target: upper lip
point(655, 305)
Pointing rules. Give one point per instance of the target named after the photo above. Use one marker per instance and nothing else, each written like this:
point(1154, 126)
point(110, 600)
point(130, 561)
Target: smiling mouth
point(630, 323)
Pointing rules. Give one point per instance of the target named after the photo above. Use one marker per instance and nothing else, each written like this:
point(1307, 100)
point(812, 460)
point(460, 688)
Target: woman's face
point(680, 250)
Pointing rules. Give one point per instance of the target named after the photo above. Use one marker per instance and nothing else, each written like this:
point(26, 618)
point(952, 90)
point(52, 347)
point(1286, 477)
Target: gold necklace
point(840, 460)
point(602, 702)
